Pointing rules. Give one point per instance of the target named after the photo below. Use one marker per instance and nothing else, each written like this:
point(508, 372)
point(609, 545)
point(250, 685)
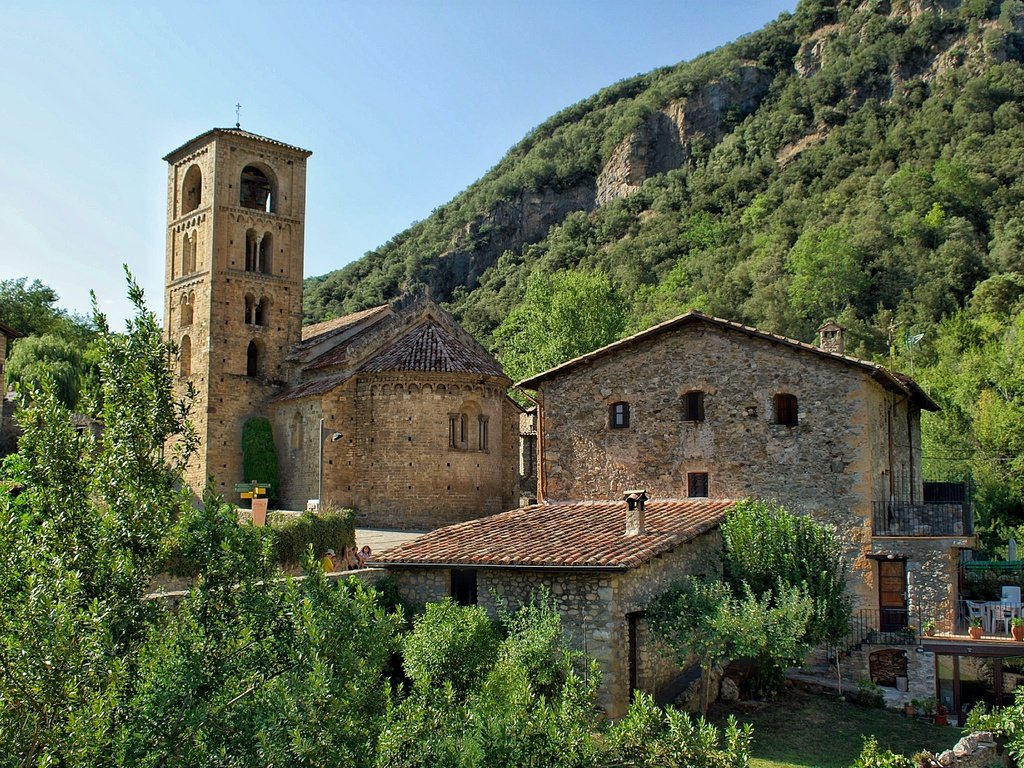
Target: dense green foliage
point(766, 545)
point(783, 593)
point(705, 619)
point(562, 317)
point(259, 454)
point(57, 345)
point(1007, 723)
point(252, 668)
point(328, 529)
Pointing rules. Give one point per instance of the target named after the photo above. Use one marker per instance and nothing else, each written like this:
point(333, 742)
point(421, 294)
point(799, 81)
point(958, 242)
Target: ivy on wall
point(259, 456)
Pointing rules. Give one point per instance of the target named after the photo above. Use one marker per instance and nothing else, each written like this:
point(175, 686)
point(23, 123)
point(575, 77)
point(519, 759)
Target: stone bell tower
point(236, 208)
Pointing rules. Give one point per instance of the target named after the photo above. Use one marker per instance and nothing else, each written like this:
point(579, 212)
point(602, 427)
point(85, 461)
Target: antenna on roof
point(238, 119)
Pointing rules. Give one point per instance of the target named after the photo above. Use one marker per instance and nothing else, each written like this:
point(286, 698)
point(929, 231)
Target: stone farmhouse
point(395, 411)
point(698, 411)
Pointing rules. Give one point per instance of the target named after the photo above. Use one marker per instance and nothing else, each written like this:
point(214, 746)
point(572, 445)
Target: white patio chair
point(1001, 613)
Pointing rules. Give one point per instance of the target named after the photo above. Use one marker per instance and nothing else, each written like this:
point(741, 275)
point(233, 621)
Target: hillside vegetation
point(856, 160)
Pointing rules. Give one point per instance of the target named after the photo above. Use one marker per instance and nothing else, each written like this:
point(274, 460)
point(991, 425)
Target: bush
point(867, 694)
point(873, 756)
point(330, 529)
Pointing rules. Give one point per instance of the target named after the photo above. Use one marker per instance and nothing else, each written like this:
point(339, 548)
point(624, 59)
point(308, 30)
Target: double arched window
point(468, 429)
point(259, 252)
point(186, 309)
point(257, 312)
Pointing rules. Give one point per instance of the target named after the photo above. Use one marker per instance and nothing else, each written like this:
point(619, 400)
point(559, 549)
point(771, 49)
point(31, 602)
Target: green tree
point(562, 316)
point(47, 357)
point(826, 273)
point(704, 619)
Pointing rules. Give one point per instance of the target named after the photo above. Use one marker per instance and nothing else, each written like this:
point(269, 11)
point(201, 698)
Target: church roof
point(203, 137)
point(585, 534)
point(897, 382)
point(312, 334)
point(311, 388)
point(430, 347)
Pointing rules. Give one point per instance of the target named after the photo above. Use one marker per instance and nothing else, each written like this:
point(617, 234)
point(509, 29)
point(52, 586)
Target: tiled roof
point(311, 333)
point(430, 347)
point(234, 132)
point(310, 388)
point(9, 332)
point(588, 534)
point(889, 380)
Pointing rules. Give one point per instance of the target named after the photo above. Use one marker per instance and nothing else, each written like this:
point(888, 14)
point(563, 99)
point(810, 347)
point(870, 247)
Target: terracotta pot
point(941, 719)
point(974, 632)
point(1018, 633)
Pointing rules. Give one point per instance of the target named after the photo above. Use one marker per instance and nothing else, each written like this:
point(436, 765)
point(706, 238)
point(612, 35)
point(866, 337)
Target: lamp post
point(335, 436)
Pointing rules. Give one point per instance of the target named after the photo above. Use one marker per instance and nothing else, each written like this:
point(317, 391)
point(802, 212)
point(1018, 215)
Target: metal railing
point(895, 518)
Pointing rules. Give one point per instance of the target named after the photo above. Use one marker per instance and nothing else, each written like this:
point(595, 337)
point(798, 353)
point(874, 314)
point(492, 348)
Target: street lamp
point(335, 436)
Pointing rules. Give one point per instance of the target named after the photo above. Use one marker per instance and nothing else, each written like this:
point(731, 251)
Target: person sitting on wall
point(350, 558)
point(365, 555)
point(327, 563)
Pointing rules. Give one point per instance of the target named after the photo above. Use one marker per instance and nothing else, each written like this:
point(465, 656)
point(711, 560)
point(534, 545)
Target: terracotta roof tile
point(233, 132)
point(310, 388)
point(430, 347)
point(581, 534)
point(312, 333)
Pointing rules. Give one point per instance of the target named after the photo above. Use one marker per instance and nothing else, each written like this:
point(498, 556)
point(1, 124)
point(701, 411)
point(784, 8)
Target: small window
point(250, 308)
point(697, 484)
point(186, 309)
point(785, 410)
point(619, 416)
point(693, 406)
point(463, 586)
point(192, 190)
point(252, 359)
point(453, 430)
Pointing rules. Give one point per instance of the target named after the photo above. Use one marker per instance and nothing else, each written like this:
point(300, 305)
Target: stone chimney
point(830, 337)
point(635, 511)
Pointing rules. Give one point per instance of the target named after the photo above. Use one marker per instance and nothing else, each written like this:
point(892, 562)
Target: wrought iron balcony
point(894, 518)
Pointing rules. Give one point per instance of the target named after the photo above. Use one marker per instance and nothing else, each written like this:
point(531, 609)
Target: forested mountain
point(858, 159)
point(854, 159)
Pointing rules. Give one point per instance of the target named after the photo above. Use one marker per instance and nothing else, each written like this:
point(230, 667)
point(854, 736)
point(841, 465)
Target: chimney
point(635, 511)
point(830, 337)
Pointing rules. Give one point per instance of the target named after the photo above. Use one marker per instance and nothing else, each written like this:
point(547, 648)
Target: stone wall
point(594, 607)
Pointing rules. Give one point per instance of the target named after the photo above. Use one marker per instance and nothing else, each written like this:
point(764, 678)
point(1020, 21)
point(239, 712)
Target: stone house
point(703, 407)
point(8, 427)
point(600, 561)
point(393, 410)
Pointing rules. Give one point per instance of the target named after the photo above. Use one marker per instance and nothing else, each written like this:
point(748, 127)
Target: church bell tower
point(236, 208)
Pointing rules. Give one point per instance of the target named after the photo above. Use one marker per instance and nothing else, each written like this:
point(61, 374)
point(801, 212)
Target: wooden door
point(892, 595)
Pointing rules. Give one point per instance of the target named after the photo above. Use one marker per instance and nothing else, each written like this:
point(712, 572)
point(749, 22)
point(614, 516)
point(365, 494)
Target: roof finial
point(238, 119)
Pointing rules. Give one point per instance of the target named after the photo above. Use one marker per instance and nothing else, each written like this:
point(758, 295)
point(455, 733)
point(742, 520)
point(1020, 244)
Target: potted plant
point(929, 628)
point(911, 707)
point(974, 627)
point(940, 715)
point(1017, 628)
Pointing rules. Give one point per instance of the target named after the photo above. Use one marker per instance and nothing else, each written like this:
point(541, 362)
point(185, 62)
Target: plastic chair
point(1002, 613)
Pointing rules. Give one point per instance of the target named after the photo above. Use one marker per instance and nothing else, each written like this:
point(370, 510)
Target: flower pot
point(909, 710)
point(1018, 633)
point(941, 719)
point(974, 632)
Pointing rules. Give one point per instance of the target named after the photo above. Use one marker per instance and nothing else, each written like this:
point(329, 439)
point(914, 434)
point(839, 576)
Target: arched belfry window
point(256, 190)
point(250, 309)
point(264, 262)
point(191, 190)
point(185, 357)
point(261, 315)
point(186, 309)
point(252, 359)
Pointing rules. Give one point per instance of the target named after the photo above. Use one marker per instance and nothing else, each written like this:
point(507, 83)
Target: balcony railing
point(894, 518)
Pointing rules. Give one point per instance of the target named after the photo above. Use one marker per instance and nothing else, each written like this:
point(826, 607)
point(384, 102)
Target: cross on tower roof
point(238, 119)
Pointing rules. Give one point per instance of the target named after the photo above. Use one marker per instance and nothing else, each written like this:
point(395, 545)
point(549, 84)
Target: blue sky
point(403, 105)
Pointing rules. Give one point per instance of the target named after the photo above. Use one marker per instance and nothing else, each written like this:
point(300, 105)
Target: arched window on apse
point(185, 357)
point(192, 190)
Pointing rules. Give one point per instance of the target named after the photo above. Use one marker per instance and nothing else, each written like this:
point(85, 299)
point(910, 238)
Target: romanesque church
point(395, 411)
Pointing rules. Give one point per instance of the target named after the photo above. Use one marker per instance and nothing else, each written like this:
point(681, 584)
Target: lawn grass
point(803, 730)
